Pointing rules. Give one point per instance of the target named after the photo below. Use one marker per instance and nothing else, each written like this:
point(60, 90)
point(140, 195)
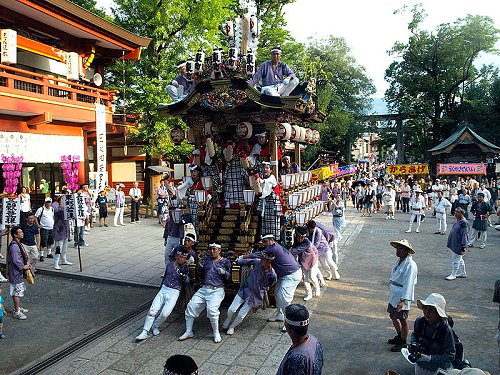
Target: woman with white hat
point(432, 345)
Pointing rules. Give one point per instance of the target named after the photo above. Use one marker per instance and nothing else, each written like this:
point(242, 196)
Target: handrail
point(44, 78)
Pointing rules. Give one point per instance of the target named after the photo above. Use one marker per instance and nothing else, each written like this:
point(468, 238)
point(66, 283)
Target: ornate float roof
point(464, 136)
point(235, 100)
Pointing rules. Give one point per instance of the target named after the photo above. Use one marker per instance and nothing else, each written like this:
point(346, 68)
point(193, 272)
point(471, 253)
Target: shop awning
point(160, 168)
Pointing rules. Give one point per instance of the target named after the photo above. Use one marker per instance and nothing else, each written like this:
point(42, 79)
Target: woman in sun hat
point(432, 337)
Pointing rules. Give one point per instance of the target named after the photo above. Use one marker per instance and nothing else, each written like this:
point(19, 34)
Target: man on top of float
point(276, 78)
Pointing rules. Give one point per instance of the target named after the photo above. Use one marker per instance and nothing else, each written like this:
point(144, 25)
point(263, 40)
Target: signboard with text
point(465, 168)
point(11, 208)
point(408, 169)
point(69, 207)
point(100, 125)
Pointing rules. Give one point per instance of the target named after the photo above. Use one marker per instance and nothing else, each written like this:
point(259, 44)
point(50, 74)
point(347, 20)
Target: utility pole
point(400, 148)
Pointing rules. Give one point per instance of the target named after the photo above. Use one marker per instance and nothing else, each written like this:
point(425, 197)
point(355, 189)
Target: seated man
point(180, 86)
point(276, 77)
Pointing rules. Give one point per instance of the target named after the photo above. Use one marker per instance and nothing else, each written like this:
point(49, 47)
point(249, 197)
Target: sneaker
point(450, 277)
point(23, 310)
point(417, 231)
point(408, 231)
point(276, 318)
point(230, 331)
point(50, 256)
point(142, 336)
point(308, 297)
point(2, 336)
point(106, 225)
point(462, 275)
point(122, 225)
point(398, 347)
point(100, 225)
point(19, 315)
point(66, 263)
point(42, 258)
point(56, 267)
point(156, 331)
point(482, 246)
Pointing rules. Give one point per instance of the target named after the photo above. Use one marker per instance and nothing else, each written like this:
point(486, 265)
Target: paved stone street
point(349, 318)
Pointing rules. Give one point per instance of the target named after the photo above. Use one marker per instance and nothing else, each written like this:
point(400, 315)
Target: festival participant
point(325, 253)
point(187, 189)
point(235, 175)
point(176, 274)
point(217, 271)
point(161, 200)
point(379, 192)
point(45, 216)
point(308, 259)
point(88, 197)
point(31, 239)
point(457, 243)
point(275, 77)
point(135, 195)
point(288, 271)
point(260, 153)
point(287, 167)
point(25, 205)
point(102, 203)
point(402, 289)
point(17, 262)
point(119, 205)
point(61, 235)
point(432, 337)
point(389, 198)
point(417, 205)
point(305, 356)
point(208, 163)
point(180, 86)
point(338, 222)
point(440, 206)
point(270, 207)
point(251, 292)
point(189, 242)
point(405, 196)
point(172, 233)
point(481, 211)
point(464, 201)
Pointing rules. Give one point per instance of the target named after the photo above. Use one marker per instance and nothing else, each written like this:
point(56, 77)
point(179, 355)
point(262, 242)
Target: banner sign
point(408, 169)
point(347, 170)
point(465, 168)
point(69, 207)
point(11, 208)
point(80, 206)
point(324, 172)
point(100, 125)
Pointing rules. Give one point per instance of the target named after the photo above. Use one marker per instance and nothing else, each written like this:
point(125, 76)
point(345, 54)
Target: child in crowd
point(102, 203)
point(2, 313)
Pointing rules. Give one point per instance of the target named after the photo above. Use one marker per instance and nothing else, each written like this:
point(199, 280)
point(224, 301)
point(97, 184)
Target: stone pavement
point(349, 318)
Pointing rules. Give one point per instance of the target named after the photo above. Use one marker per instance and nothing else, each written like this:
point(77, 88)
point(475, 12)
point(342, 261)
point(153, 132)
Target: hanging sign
point(408, 169)
point(465, 168)
point(100, 125)
point(69, 207)
point(9, 47)
point(11, 211)
point(347, 170)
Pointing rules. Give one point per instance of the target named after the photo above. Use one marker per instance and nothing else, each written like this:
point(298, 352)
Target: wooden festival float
point(223, 104)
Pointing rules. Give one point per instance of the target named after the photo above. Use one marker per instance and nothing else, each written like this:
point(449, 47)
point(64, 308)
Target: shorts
point(46, 237)
point(393, 314)
point(17, 290)
point(160, 208)
point(103, 214)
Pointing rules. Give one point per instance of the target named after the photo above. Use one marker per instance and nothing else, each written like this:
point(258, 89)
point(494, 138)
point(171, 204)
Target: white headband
point(297, 323)
point(215, 245)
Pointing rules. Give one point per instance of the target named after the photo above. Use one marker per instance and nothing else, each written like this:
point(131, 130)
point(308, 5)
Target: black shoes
point(395, 340)
point(398, 343)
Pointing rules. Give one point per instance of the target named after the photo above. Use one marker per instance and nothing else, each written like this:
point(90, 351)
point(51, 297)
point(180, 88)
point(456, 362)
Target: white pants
point(483, 235)
point(328, 263)
point(412, 218)
point(311, 277)
point(237, 302)
point(175, 92)
point(281, 89)
point(118, 214)
point(63, 247)
point(441, 223)
point(32, 254)
point(171, 243)
point(285, 289)
point(163, 304)
point(457, 264)
point(208, 297)
point(335, 250)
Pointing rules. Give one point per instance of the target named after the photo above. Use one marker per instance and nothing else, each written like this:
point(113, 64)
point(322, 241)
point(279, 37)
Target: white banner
point(100, 126)
point(69, 206)
point(80, 206)
point(40, 148)
point(9, 47)
point(11, 211)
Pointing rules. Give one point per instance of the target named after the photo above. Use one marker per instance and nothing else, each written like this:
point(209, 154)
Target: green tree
point(431, 72)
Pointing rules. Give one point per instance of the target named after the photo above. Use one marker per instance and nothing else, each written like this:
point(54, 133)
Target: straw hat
point(436, 300)
point(404, 244)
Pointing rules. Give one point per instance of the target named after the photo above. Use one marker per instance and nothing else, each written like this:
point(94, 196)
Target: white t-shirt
point(135, 192)
point(47, 217)
point(25, 202)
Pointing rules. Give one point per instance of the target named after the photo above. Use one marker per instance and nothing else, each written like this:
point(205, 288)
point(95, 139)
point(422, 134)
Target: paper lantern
point(283, 131)
point(244, 130)
point(315, 136)
point(307, 135)
point(249, 196)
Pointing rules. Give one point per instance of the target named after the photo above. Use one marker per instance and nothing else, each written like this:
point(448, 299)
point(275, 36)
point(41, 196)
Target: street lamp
point(249, 196)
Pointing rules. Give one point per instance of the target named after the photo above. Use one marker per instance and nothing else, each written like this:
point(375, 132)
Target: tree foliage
point(433, 73)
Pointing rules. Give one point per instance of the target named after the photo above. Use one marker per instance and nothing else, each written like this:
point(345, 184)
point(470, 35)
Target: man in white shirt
point(440, 205)
point(45, 216)
point(135, 197)
point(389, 198)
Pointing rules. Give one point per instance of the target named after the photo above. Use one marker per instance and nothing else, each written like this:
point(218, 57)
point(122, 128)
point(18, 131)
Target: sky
point(370, 28)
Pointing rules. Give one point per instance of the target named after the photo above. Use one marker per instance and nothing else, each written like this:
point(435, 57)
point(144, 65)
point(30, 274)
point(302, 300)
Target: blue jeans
point(79, 231)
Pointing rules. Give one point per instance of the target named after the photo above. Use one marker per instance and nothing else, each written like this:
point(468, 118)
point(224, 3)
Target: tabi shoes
point(451, 277)
point(156, 331)
point(308, 297)
point(143, 336)
point(186, 336)
point(276, 318)
point(461, 275)
point(230, 331)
